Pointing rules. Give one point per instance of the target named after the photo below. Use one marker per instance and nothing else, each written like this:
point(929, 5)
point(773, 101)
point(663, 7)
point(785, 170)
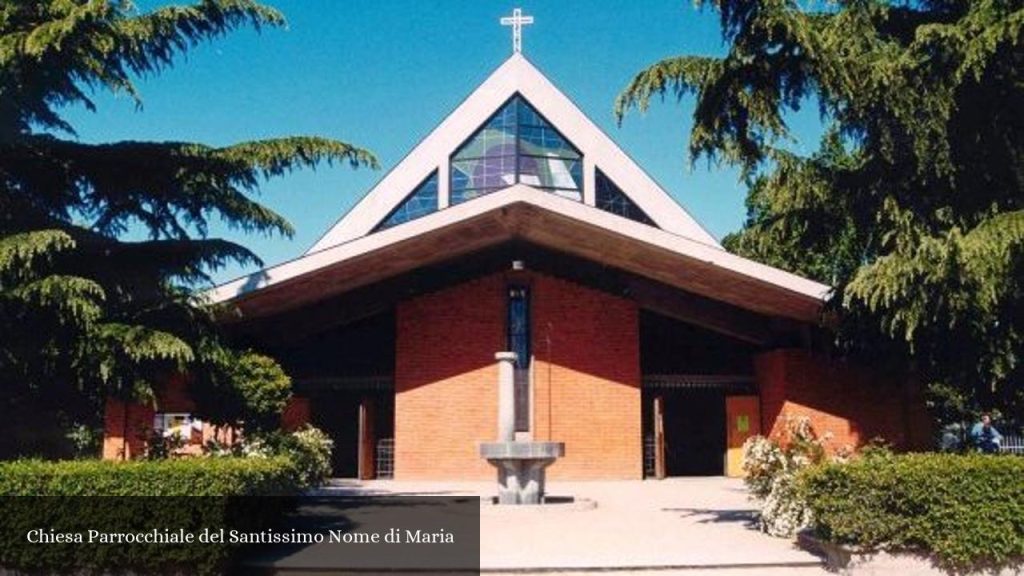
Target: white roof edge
point(519, 193)
point(400, 180)
point(605, 154)
point(515, 75)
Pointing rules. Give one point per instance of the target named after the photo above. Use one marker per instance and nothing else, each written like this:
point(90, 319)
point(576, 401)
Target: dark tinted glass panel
point(611, 198)
point(519, 342)
point(422, 201)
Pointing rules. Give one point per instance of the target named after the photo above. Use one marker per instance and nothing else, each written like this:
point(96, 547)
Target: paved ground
point(747, 571)
point(689, 525)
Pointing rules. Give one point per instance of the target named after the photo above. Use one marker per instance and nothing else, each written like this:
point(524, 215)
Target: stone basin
point(521, 468)
point(513, 449)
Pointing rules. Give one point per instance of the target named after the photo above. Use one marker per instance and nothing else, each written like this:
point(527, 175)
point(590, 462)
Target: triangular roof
point(367, 245)
point(517, 76)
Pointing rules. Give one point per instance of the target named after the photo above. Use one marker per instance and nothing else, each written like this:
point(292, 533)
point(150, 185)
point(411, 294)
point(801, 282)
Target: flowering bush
point(763, 460)
point(783, 511)
point(308, 447)
point(311, 449)
point(771, 467)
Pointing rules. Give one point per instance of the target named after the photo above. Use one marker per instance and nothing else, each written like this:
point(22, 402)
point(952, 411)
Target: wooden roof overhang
point(680, 269)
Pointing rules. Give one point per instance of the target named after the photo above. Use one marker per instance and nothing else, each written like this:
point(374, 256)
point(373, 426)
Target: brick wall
point(296, 414)
point(446, 379)
point(587, 385)
point(126, 428)
point(851, 403)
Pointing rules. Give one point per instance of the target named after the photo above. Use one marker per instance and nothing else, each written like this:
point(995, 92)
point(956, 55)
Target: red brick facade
point(586, 382)
point(852, 404)
point(128, 426)
point(446, 379)
point(585, 386)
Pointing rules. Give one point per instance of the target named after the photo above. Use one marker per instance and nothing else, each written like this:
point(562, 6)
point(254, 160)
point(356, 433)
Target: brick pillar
point(126, 429)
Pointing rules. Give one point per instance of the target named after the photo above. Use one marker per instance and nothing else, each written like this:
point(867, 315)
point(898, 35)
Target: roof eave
point(543, 218)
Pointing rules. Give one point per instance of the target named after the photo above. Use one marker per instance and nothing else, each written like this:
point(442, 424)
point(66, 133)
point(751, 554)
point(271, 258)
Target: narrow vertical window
point(519, 342)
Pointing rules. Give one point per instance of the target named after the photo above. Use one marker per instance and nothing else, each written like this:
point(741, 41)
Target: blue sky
point(382, 74)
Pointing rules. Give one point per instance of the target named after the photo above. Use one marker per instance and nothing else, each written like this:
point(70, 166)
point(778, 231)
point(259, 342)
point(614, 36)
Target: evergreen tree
point(912, 207)
point(84, 312)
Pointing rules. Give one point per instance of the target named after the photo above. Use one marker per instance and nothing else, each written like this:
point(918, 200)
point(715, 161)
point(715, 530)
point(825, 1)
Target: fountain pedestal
point(520, 464)
point(521, 468)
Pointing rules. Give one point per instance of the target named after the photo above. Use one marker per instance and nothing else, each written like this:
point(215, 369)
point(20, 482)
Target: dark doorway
point(346, 371)
point(337, 414)
point(687, 372)
point(694, 431)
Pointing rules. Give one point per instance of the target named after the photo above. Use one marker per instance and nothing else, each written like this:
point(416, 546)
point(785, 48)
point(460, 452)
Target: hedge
point(171, 477)
point(967, 510)
point(137, 497)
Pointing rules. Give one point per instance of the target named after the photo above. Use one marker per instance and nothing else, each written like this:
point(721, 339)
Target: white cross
point(516, 21)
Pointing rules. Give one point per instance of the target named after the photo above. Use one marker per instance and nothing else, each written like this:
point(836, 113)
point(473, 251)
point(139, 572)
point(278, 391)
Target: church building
point(519, 225)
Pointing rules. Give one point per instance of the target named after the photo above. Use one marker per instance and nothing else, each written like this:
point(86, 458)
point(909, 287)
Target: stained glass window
point(420, 202)
point(516, 145)
point(611, 198)
point(519, 342)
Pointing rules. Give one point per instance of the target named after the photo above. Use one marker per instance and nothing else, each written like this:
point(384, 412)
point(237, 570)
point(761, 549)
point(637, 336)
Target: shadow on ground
point(746, 517)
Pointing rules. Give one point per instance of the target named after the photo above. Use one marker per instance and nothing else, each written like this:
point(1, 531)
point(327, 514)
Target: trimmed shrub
point(136, 498)
point(968, 510)
point(171, 477)
point(263, 389)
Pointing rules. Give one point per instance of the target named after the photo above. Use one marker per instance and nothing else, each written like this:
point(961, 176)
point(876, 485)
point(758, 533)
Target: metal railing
point(385, 464)
point(650, 446)
point(1013, 445)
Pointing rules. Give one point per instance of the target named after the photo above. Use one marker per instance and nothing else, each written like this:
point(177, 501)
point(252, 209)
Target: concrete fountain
point(520, 463)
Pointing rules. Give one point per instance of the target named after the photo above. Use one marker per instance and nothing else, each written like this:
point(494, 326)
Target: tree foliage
point(251, 389)
point(912, 205)
point(85, 312)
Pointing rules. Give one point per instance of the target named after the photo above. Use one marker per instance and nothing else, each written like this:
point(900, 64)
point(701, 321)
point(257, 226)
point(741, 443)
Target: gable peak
point(591, 149)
